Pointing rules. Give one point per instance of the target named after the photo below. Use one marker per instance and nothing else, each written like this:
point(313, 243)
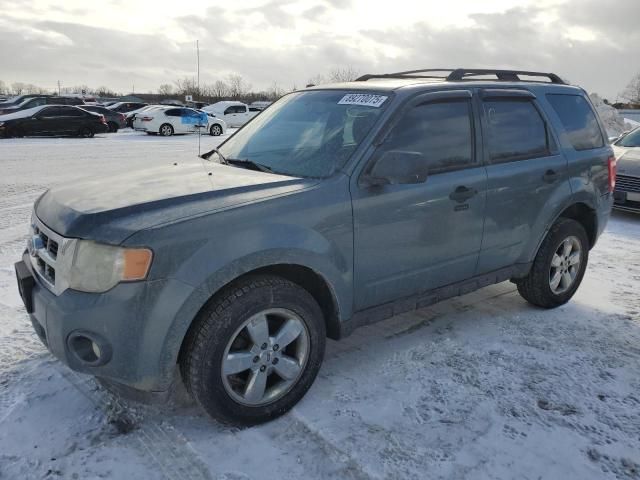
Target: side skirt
point(424, 299)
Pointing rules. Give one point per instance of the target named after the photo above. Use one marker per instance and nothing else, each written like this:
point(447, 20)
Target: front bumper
point(626, 201)
point(129, 323)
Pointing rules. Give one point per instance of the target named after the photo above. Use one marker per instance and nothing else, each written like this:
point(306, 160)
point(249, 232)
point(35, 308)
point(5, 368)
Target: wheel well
point(313, 283)
point(586, 217)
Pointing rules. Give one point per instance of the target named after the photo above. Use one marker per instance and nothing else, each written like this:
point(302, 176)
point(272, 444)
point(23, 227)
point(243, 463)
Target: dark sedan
point(54, 120)
point(115, 120)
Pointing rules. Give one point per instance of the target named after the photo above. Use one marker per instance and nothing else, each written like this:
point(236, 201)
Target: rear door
point(415, 237)
point(527, 176)
point(72, 120)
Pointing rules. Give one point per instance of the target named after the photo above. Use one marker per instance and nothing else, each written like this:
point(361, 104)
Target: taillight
point(146, 119)
point(611, 165)
point(102, 119)
point(123, 117)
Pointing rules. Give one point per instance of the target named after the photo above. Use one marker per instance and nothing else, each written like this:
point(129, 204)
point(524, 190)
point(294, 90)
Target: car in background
point(42, 100)
point(167, 121)
point(130, 116)
point(124, 107)
point(114, 120)
point(12, 101)
point(235, 114)
point(627, 151)
point(52, 120)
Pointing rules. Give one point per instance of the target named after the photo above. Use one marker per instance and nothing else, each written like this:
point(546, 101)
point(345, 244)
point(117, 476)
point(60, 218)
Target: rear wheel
point(559, 266)
point(166, 130)
point(254, 352)
point(215, 130)
point(86, 132)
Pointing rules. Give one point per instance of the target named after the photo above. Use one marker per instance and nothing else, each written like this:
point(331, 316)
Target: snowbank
point(612, 120)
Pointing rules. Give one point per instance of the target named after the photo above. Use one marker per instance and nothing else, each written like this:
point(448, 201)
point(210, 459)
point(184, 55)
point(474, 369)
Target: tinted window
point(173, 112)
point(230, 110)
point(440, 131)
point(578, 120)
point(51, 112)
point(516, 131)
point(71, 112)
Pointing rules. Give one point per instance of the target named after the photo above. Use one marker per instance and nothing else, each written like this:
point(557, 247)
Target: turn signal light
point(136, 263)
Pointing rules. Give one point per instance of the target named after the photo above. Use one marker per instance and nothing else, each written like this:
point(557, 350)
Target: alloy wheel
point(565, 265)
point(265, 357)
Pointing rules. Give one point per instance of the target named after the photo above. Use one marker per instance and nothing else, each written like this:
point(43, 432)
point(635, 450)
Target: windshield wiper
point(206, 155)
point(249, 164)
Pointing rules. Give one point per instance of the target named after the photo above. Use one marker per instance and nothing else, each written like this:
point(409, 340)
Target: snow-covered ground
point(483, 386)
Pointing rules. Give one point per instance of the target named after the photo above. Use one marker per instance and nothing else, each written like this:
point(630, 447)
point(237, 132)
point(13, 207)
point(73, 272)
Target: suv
point(336, 207)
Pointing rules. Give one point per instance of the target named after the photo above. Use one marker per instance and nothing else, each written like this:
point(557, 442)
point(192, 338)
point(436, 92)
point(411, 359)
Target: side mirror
point(397, 167)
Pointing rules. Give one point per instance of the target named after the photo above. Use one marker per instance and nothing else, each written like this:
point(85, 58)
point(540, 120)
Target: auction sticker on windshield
point(364, 99)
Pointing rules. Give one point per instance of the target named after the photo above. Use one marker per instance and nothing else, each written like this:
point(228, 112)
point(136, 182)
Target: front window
point(308, 134)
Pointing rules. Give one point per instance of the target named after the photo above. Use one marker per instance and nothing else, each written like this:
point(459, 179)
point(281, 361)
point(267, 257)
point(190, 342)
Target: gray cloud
point(81, 54)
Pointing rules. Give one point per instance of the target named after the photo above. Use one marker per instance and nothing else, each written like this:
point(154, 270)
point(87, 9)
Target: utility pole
point(58, 87)
point(198, 64)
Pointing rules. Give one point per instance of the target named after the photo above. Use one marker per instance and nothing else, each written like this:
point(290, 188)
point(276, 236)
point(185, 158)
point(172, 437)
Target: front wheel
point(559, 266)
point(215, 130)
point(254, 351)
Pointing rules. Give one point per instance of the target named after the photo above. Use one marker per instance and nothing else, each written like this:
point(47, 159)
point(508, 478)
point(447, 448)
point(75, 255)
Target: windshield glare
point(631, 139)
point(306, 134)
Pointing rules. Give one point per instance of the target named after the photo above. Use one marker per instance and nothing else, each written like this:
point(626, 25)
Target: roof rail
point(460, 74)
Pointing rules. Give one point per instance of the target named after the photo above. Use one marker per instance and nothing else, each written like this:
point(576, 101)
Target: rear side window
point(516, 131)
point(441, 132)
point(578, 119)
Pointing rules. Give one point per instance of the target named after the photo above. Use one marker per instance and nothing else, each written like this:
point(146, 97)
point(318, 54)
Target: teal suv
point(337, 206)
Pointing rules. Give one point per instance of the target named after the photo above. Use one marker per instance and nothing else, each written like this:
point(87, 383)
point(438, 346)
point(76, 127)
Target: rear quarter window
point(578, 119)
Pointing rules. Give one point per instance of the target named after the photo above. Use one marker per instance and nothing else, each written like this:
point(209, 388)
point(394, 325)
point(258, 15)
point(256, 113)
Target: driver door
point(411, 238)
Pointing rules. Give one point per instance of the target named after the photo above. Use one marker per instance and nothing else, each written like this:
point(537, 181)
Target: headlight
point(97, 267)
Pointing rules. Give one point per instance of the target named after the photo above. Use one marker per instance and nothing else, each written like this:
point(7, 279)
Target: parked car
point(124, 107)
point(235, 114)
point(41, 100)
point(10, 102)
point(52, 120)
point(114, 120)
point(168, 121)
point(130, 116)
point(627, 193)
point(336, 207)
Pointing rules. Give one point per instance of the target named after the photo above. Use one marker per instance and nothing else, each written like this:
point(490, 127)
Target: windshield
point(632, 139)
point(307, 134)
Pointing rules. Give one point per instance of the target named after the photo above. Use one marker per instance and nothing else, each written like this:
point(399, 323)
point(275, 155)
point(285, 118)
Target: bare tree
point(219, 89)
point(3, 87)
point(632, 91)
point(165, 89)
point(344, 74)
point(274, 92)
point(105, 92)
point(237, 86)
point(187, 86)
point(318, 79)
point(18, 88)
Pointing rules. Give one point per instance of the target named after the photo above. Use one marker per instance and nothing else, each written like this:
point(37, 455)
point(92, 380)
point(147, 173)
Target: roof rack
point(460, 74)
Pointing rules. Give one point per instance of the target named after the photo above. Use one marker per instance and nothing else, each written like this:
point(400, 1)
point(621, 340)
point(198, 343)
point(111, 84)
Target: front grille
point(627, 183)
point(47, 253)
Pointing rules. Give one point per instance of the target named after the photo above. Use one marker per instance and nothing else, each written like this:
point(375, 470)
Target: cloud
point(290, 42)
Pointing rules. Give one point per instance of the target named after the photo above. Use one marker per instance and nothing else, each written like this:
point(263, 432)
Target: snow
point(21, 113)
point(482, 386)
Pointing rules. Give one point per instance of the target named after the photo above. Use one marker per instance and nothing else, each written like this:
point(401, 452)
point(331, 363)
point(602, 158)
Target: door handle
point(462, 194)
point(550, 176)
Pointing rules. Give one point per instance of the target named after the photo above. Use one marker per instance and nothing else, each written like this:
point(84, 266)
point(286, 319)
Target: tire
point(86, 132)
point(113, 127)
point(219, 330)
point(540, 286)
point(215, 130)
point(16, 133)
point(166, 130)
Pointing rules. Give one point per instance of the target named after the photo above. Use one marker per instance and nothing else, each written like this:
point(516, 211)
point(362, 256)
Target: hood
point(629, 162)
point(110, 209)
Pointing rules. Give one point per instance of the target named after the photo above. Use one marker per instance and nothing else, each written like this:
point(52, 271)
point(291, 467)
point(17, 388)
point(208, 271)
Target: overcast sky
point(121, 43)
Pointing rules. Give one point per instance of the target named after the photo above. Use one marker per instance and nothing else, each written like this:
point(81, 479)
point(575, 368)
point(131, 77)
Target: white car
point(236, 114)
point(167, 121)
